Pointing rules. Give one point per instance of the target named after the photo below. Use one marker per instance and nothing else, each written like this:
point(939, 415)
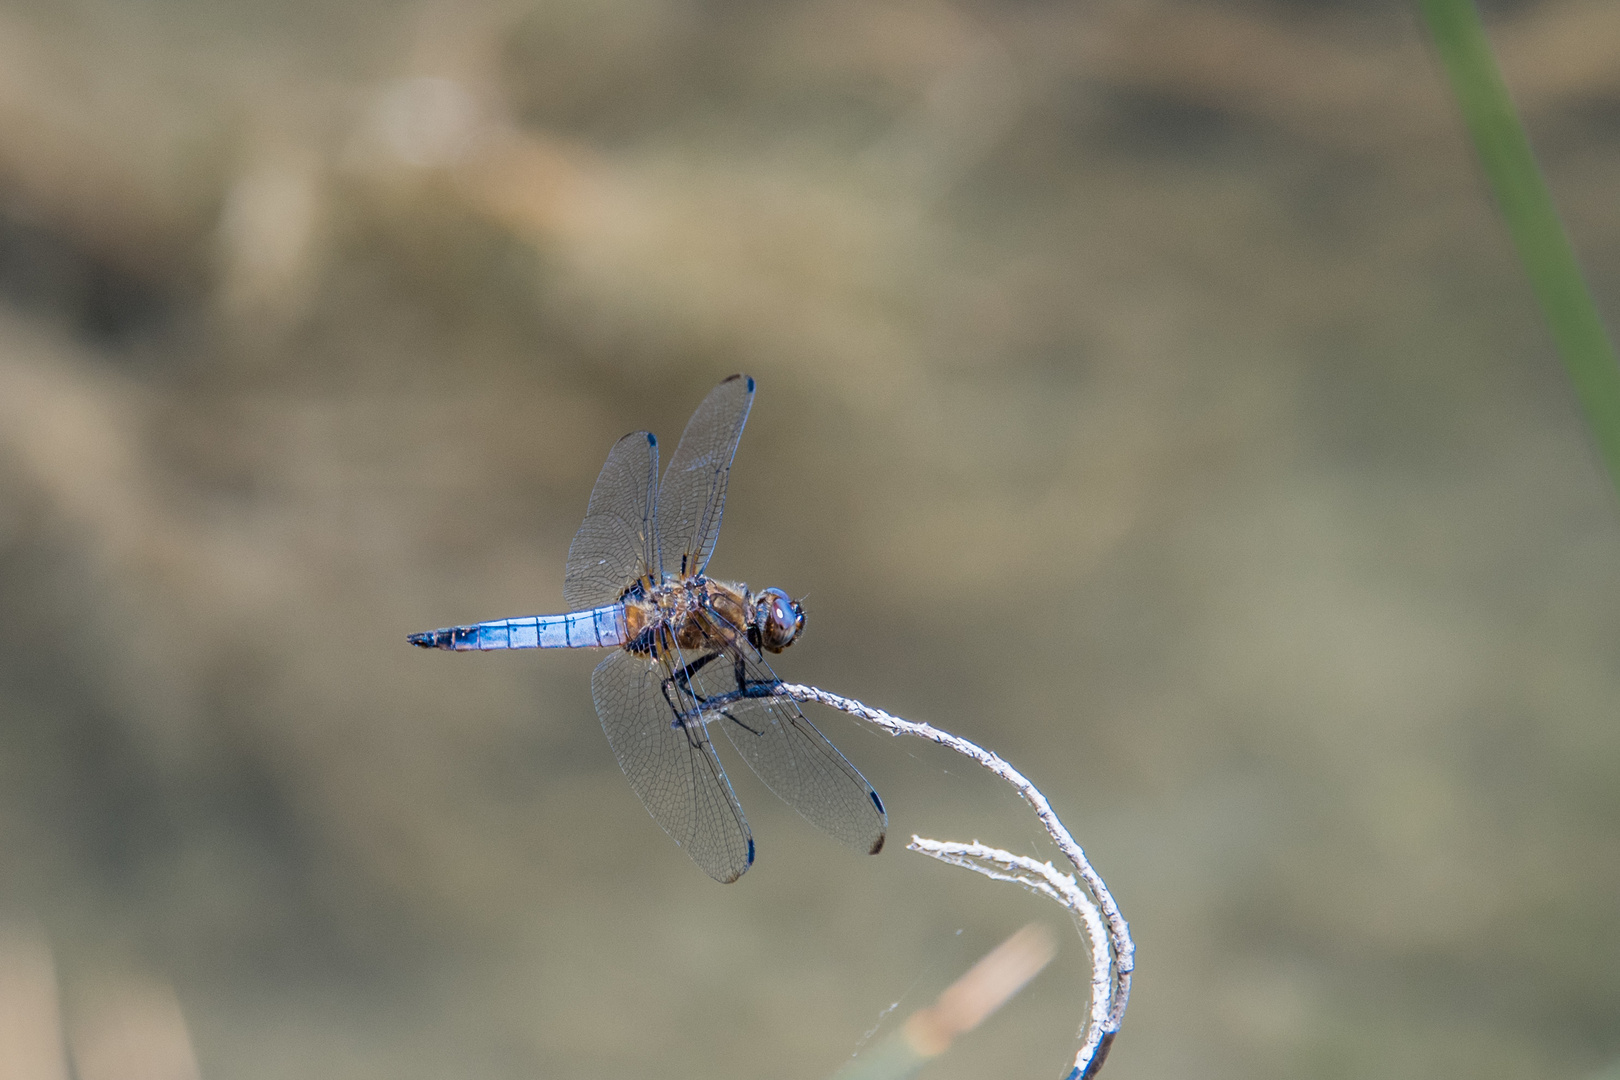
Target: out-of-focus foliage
point(1147, 391)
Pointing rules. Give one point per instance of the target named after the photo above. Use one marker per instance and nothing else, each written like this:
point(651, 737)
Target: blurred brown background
point(1147, 391)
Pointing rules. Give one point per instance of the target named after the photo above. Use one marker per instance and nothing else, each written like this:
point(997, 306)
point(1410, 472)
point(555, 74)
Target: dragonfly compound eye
point(779, 619)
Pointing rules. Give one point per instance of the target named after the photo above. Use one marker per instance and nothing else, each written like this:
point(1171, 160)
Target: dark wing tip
point(877, 847)
point(734, 877)
point(652, 440)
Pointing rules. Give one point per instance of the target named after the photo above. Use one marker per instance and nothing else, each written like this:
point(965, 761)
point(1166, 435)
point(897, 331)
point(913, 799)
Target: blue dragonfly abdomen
point(594, 628)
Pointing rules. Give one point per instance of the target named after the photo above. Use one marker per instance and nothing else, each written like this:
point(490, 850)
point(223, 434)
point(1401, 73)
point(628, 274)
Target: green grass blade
point(1525, 203)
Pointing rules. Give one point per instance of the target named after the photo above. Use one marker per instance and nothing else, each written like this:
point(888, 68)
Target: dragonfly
point(689, 650)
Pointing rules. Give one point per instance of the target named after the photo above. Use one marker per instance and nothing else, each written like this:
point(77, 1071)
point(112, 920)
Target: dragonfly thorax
point(699, 614)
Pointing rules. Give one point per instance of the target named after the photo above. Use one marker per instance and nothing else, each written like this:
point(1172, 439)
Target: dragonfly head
point(778, 619)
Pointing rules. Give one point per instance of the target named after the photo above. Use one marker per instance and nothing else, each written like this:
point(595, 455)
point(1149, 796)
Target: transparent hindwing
point(782, 746)
point(672, 765)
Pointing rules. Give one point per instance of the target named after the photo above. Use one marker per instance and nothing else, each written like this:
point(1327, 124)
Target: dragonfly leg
point(752, 688)
point(752, 731)
point(681, 681)
point(683, 677)
point(747, 688)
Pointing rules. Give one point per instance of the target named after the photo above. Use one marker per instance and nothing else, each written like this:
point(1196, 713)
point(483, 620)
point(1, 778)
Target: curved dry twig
point(1049, 881)
point(1109, 937)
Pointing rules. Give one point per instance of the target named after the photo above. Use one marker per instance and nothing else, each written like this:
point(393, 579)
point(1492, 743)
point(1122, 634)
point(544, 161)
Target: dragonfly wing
point(671, 766)
point(694, 491)
point(786, 751)
point(618, 541)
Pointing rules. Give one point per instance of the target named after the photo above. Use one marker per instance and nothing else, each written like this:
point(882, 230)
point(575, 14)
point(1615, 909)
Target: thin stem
point(1115, 949)
point(1532, 220)
point(1047, 880)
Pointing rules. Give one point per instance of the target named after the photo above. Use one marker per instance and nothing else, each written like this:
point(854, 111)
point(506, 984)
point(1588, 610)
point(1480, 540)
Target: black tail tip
point(422, 641)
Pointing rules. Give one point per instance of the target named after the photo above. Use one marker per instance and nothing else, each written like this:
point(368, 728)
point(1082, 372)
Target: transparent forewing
point(694, 491)
point(618, 541)
point(670, 765)
point(784, 748)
